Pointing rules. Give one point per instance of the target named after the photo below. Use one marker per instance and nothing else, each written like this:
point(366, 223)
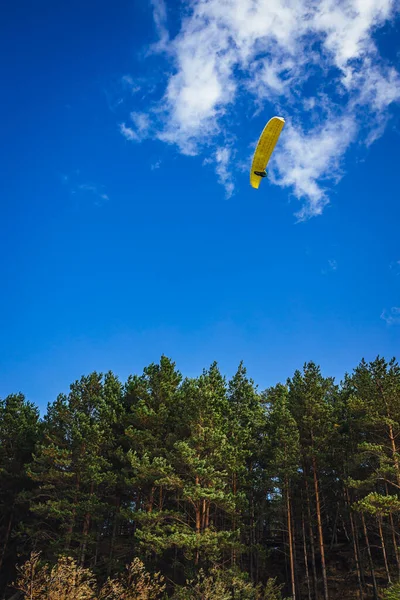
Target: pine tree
point(209, 481)
point(284, 457)
point(19, 430)
point(195, 472)
point(375, 399)
point(72, 469)
point(246, 429)
point(311, 399)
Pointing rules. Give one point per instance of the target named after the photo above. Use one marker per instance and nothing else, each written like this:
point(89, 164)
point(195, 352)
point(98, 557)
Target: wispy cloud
point(332, 266)
point(391, 316)
point(395, 267)
point(128, 133)
point(138, 131)
point(119, 92)
point(85, 190)
point(263, 54)
point(129, 82)
point(160, 22)
point(222, 161)
point(98, 195)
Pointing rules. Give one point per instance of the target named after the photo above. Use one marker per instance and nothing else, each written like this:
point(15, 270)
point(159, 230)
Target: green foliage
point(378, 505)
point(72, 467)
point(392, 593)
point(203, 588)
point(19, 431)
point(203, 480)
point(311, 401)
point(284, 438)
point(227, 585)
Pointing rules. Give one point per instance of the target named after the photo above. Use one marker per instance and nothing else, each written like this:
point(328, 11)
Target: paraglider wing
point(265, 147)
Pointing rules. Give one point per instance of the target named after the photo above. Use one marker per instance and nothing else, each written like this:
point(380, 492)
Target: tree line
point(295, 487)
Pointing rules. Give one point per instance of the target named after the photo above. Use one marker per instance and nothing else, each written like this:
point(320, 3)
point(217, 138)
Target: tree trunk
point(198, 511)
point(233, 559)
point(203, 515)
point(320, 534)
point(207, 516)
point(284, 546)
point(85, 531)
point(334, 536)
point(371, 563)
point(362, 571)
point(290, 534)
point(257, 537)
point(393, 530)
point(384, 549)
point(70, 530)
point(359, 553)
point(305, 554)
point(314, 569)
point(394, 454)
point(198, 519)
point(96, 553)
point(151, 500)
point(296, 571)
point(198, 523)
point(252, 514)
point(7, 537)
point(355, 546)
point(391, 437)
point(113, 536)
point(72, 522)
point(396, 550)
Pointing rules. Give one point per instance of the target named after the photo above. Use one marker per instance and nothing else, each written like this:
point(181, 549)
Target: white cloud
point(160, 21)
point(128, 133)
point(266, 51)
point(140, 129)
point(347, 27)
point(304, 160)
point(141, 122)
point(391, 316)
point(222, 160)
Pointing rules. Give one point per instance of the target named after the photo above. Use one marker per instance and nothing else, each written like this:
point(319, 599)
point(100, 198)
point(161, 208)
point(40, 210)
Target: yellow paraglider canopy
point(265, 147)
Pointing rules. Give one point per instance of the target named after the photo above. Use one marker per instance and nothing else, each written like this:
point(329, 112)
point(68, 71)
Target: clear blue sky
point(128, 227)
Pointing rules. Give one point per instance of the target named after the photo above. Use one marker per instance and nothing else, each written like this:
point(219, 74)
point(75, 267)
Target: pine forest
point(204, 488)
